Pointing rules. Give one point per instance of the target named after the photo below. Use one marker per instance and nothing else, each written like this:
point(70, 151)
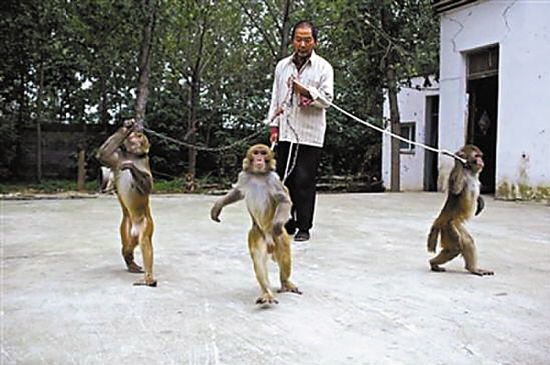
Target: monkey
point(133, 183)
point(189, 185)
point(462, 203)
point(268, 203)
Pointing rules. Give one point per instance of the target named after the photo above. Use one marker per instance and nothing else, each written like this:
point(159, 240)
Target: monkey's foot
point(289, 287)
point(437, 268)
point(267, 298)
point(144, 282)
point(134, 268)
point(481, 272)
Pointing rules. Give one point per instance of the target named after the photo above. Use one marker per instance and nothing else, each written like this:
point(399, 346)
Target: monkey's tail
point(432, 238)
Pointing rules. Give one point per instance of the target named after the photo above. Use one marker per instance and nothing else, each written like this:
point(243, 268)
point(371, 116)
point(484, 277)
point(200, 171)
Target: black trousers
point(300, 181)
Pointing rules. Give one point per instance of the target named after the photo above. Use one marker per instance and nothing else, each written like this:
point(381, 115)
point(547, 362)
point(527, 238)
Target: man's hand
point(274, 138)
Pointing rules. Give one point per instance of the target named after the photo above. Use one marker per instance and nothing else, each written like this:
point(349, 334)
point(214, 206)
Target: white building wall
point(522, 31)
point(412, 108)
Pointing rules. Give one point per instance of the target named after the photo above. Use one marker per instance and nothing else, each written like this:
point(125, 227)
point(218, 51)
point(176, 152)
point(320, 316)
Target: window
point(483, 63)
point(408, 131)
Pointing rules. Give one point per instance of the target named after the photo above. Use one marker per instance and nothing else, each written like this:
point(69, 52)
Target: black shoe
point(301, 236)
point(290, 227)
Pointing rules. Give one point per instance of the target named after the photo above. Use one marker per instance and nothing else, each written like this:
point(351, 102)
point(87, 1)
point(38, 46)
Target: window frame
point(404, 147)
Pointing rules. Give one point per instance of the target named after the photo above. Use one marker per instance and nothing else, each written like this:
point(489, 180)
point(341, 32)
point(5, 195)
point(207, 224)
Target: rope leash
point(384, 131)
point(204, 148)
point(287, 110)
point(290, 167)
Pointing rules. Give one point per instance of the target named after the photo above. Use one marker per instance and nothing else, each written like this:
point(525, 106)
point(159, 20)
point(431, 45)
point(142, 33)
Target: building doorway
point(482, 89)
point(432, 140)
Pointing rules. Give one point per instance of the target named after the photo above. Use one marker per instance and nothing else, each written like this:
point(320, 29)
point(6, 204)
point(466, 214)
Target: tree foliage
point(211, 72)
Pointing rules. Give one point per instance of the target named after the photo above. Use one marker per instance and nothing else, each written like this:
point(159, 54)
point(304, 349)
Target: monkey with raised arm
point(126, 154)
point(268, 203)
point(463, 202)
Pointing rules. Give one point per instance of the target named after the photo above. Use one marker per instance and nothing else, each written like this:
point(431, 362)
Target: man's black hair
point(308, 24)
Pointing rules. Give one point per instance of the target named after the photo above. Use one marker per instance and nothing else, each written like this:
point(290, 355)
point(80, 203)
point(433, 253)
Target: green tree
point(378, 44)
point(201, 73)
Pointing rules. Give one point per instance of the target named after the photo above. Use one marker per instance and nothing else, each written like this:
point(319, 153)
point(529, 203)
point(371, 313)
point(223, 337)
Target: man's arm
point(275, 108)
point(321, 97)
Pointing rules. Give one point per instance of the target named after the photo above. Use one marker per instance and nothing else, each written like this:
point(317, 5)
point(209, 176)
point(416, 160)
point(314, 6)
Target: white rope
point(385, 131)
point(370, 125)
point(287, 171)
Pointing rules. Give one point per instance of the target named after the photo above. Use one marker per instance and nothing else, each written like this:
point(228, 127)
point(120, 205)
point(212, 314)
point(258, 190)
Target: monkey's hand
point(129, 124)
point(233, 196)
point(480, 205)
point(215, 212)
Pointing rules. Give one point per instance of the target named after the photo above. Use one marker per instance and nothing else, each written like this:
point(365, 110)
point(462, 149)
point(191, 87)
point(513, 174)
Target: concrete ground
point(369, 297)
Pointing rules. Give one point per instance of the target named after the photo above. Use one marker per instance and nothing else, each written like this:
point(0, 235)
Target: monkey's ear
point(272, 164)
point(146, 145)
point(462, 154)
point(246, 164)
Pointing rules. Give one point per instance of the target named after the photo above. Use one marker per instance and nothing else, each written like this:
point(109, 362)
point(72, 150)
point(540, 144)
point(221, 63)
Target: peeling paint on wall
point(507, 190)
point(521, 189)
point(524, 168)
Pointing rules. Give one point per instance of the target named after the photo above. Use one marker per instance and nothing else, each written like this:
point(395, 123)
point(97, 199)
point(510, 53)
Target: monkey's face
point(137, 144)
point(259, 160)
point(476, 161)
point(473, 156)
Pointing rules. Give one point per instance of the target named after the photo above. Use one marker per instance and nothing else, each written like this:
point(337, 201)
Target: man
point(302, 85)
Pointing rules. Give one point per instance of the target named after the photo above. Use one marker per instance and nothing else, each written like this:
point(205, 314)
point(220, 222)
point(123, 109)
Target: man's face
point(303, 41)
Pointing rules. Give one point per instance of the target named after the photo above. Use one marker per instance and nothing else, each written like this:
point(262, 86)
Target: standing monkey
point(463, 202)
point(133, 183)
point(269, 205)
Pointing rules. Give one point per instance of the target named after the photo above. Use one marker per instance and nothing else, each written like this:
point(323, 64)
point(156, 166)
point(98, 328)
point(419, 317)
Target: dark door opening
point(482, 88)
point(432, 140)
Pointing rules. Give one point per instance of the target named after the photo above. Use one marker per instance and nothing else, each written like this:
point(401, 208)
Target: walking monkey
point(463, 202)
point(269, 204)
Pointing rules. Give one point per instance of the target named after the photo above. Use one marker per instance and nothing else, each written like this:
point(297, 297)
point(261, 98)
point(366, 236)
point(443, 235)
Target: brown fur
point(133, 183)
point(268, 203)
point(463, 202)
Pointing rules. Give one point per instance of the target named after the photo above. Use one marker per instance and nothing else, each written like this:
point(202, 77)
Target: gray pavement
point(369, 297)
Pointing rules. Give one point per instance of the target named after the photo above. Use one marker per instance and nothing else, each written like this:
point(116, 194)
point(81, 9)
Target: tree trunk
point(145, 64)
point(38, 125)
point(192, 124)
point(285, 30)
point(81, 168)
point(395, 184)
point(38, 151)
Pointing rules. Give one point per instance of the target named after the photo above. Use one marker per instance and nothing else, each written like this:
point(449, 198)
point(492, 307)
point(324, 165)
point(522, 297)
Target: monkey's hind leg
point(146, 245)
point(444, 256)
point(470, 256)
point(129, 243)
point(284, 260)
point(258, 252)
point(450, 247)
